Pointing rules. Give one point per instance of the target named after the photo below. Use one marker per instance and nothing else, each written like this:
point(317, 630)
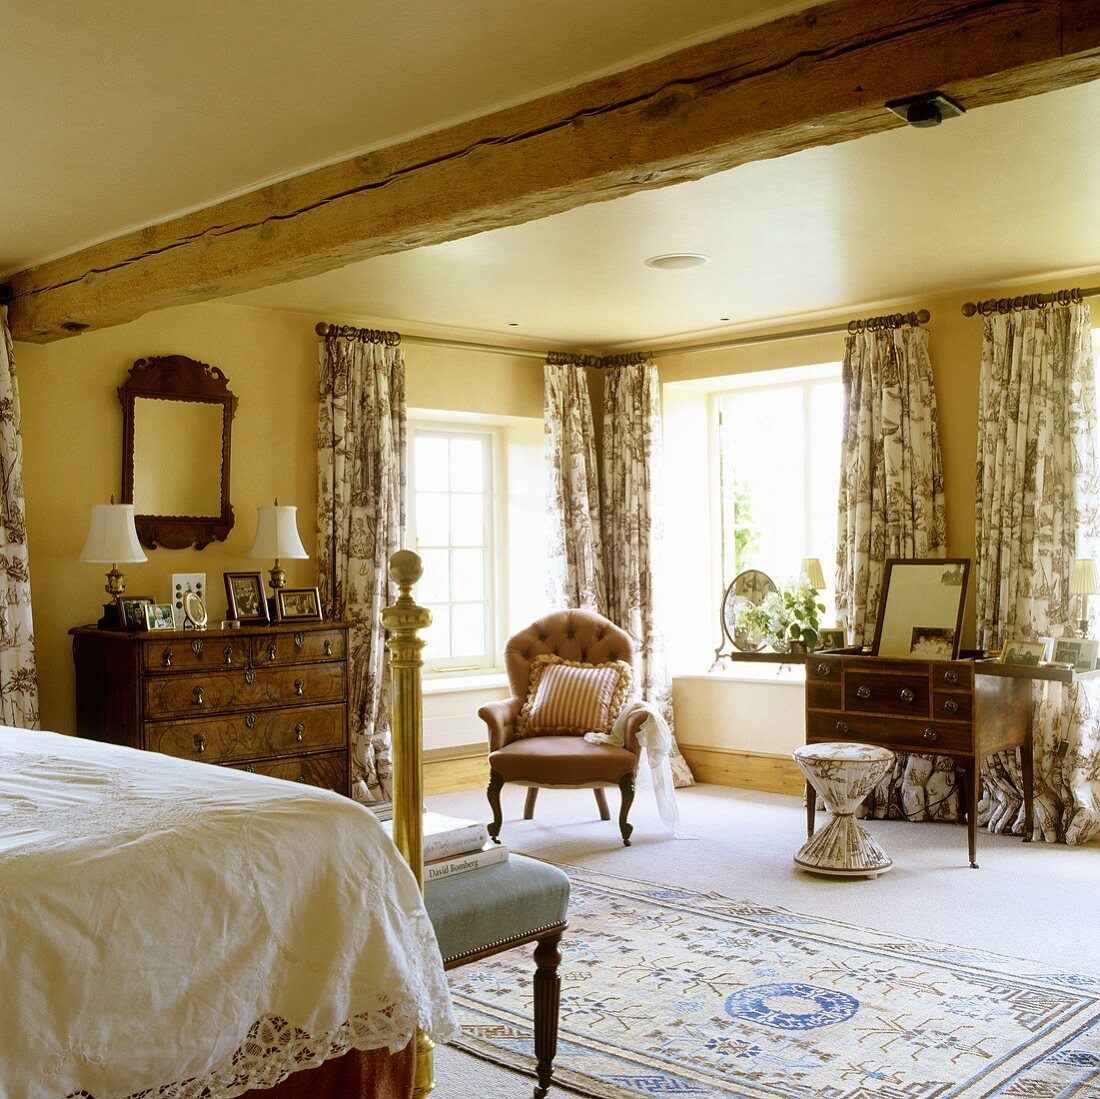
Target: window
point(779, 473)
point(453, 523)
point(477, 517)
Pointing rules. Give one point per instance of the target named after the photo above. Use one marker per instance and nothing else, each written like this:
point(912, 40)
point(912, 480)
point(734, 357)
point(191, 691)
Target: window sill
point(783, 675)
point(455, 684)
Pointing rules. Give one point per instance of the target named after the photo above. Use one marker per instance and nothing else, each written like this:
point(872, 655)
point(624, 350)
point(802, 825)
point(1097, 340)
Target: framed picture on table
point(298, 604)
point(245, 597)
point(1027, 653)
point(1078, 651)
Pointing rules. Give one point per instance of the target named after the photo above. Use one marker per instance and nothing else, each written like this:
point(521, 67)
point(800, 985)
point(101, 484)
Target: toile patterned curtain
point(631, 527)
point(18, 676)
point(1038, 508)
point(572, 485)
point(361, 461)
point(891, 505)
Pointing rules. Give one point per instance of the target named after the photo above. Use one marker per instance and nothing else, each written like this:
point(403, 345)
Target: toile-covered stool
point(843, 774)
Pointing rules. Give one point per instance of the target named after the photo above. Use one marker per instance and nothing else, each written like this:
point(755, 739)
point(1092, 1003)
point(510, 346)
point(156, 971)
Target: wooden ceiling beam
point(814, 78)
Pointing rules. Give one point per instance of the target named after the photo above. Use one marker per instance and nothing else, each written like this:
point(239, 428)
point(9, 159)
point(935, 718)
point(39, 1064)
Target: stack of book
point(453, 846)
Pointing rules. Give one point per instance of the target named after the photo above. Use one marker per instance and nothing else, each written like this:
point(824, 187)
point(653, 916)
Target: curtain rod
point(1028, 301)
point(372, 335)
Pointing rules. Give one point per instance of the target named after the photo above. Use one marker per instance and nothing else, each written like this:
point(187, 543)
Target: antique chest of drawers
point(938, 707)
point(270, 698)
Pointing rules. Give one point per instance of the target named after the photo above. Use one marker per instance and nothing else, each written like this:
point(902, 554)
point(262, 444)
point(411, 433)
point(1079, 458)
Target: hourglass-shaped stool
point(843, 774)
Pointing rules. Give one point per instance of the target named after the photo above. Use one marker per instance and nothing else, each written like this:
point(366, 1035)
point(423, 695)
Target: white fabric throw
point(655, 737)
point(179, 930)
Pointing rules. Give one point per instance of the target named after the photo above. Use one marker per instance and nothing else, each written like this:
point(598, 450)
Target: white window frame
point(495, 538)
point(804, 377)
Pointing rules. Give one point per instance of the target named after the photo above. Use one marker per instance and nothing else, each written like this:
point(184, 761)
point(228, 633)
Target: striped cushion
point(565, 696)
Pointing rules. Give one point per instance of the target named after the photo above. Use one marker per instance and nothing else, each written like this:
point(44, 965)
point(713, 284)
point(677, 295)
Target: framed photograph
point(245, 596)
point(131, 611)
point(298, 603)
point(194, 611)
point(158, 616)
point(921, 604)
point(1078, 651)
point(1028, 653)
point(832, 638)
point(933, 642)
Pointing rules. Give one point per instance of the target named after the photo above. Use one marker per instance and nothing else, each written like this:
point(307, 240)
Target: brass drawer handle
point(951, 677)
point(166, 657)
point(930, 733)
point(250, 720)
point(906, 695)
point(271, 651)
point(863, 692)
point(227, 652)
point(196, 696)
point(951, 706)
point(299, 686)
point(200, 743)
point(250, 676)
point(299, 732)
point(842, 727)
point(251, 768)
point(824, 671)
point(299, 640)
point(328, 648)
point(196, 647)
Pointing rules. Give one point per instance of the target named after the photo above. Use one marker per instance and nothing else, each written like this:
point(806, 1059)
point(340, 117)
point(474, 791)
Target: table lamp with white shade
point(1084, 581)
point(811, 570)
point(277, 537)
point(112, 539)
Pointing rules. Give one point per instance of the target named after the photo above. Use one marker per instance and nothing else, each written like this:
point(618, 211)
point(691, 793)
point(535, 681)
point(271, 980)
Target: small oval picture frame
point(194, 610)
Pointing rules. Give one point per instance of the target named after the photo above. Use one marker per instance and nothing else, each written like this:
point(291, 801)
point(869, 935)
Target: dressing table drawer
point(886, 694)
point(915, 736)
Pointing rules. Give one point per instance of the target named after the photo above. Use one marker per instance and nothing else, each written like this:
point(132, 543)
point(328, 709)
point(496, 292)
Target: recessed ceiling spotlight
point(677, 261)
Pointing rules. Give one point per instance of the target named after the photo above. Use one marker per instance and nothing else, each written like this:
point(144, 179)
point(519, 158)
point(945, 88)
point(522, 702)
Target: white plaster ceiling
point(120, 113)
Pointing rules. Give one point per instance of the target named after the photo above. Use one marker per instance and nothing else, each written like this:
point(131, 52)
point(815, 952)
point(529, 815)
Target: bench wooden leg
point(496, 781)
point(547, 995)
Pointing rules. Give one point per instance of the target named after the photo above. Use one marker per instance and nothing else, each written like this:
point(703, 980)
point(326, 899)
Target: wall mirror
point(921, 609)
point(177, 416)
point(748, 588)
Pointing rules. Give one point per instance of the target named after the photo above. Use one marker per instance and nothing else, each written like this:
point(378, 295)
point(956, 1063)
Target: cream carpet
point(1034, 901)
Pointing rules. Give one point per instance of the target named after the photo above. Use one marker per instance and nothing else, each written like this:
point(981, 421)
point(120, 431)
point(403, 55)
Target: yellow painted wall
point(72, 438)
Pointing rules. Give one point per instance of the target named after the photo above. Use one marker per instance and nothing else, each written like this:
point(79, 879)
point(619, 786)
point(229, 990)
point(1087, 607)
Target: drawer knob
point(930, 733)
point(196, 696)
point(271, 651)
point(863, 692)
point(250, 720)
point(299, 640)
point(200, 743)
point(299, 732)
point(250, 676)
point(227, 652)
point(328, 648)
point(196, 647)
point(951, 706)
point(951, 677)
point(906, 695)
point(823, 670)
point(842, 727)
point(166, 657)
point(299, 686)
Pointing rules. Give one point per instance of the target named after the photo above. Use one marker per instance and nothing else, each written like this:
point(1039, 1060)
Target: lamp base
point(109, 621)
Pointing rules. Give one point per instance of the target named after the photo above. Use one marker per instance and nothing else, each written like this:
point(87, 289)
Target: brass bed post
point(403, 621)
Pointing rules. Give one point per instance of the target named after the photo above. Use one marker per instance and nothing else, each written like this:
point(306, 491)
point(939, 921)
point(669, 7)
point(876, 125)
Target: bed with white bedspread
point(171, 929)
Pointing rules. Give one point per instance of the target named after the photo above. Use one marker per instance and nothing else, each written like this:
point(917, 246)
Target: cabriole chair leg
point(626, 785)
point(496, 781)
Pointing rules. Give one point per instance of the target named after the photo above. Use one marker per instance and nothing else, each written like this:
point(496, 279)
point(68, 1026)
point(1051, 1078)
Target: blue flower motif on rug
point(783, 1006)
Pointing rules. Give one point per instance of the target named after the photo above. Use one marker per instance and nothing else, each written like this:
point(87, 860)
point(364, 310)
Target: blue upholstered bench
point(494, 908)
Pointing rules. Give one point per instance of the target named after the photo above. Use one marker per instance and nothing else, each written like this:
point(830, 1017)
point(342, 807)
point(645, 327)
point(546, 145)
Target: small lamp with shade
point(277, 537)
point(112, 539)
point(1084, 581)
point(811, 570)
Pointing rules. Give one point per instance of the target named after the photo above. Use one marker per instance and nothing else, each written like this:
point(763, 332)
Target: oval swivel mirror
point(177, 415)
point(747, 589)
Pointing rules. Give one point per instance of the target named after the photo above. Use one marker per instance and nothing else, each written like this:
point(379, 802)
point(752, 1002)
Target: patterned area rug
point(672, 992)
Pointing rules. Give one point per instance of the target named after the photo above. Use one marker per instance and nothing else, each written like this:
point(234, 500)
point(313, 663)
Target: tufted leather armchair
point(560, 761)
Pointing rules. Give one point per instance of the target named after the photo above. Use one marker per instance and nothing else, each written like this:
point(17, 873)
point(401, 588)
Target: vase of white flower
point(788, 618)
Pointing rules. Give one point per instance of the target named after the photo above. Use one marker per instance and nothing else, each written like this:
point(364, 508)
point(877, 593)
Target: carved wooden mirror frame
point(177, 378)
